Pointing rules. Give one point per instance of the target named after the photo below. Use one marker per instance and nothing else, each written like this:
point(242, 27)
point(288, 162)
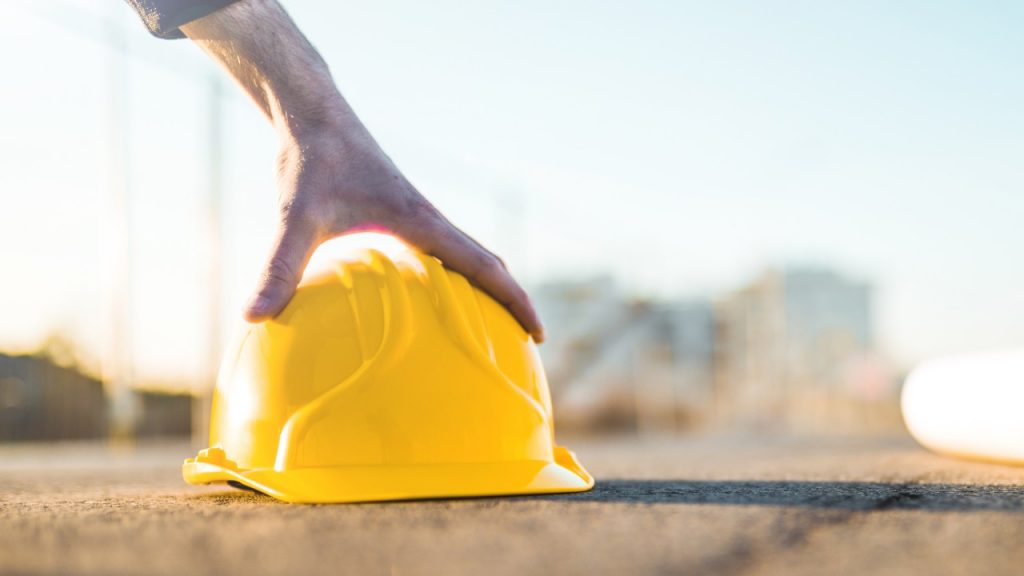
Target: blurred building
point(795, 349)
point(620, 363)
point(584, 314)
point(40, 400)
point(791, 350)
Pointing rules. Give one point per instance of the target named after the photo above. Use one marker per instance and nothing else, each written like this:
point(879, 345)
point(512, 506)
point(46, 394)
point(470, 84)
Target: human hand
point(333, 178)
point(330, 184)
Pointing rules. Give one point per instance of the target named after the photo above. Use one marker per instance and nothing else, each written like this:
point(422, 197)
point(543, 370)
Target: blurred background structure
point(42, 400)
point(792, 350)
point(730, 216)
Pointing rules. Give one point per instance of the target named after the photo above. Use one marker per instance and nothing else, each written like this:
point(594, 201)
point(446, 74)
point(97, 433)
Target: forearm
point(264, 51)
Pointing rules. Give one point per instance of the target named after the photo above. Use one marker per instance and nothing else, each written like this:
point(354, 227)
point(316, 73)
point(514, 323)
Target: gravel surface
point(711, 505)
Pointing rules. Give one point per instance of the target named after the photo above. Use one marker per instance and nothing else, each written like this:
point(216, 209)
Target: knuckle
point(420, 215)
point(519, 303)
point(278, 270)
point(293, 210)
point(489, 265)
point(519, 294)
point(427, 224)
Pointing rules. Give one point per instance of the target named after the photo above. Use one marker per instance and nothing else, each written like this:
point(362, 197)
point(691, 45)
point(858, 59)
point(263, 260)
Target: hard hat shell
point(385, 378)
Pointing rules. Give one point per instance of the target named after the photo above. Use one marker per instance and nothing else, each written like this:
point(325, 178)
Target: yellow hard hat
point(385, 378)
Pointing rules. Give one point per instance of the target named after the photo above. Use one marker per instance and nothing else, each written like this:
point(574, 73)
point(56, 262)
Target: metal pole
point(118, 374)
point(213, 212)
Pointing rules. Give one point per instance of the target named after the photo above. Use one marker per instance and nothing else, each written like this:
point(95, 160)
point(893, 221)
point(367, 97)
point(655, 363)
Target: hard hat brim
point(382, 483)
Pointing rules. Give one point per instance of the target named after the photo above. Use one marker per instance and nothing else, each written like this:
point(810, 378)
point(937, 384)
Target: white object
point(969, 406)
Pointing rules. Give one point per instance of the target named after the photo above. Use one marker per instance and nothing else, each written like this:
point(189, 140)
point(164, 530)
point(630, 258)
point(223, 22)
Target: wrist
point(312, 109)
point(335, 135)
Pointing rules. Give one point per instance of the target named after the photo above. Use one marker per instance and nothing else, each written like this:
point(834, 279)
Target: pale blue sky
point(681, 146)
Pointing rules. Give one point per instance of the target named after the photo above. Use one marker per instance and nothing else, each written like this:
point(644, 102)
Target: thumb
point(281, 274)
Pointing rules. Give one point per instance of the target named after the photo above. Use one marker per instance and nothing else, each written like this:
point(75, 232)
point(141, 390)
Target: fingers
point(281, 273)
point(464, 255)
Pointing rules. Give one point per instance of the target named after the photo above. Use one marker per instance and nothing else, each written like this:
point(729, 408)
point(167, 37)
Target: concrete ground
point(661, 506)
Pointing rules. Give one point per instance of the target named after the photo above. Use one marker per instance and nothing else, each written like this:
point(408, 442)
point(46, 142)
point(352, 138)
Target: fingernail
point(256, 308)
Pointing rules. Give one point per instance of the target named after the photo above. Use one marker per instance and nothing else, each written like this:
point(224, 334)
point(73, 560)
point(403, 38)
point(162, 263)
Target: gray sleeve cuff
point(164, 17)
